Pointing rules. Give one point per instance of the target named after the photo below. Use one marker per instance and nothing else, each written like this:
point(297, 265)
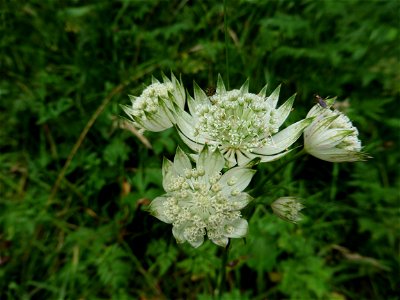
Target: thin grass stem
point(226, 47)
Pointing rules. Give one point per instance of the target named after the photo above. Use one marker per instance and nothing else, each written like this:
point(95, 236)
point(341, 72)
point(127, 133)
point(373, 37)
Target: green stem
point(222, 276)
point(226, 47)
point(260, 186)
point(335, 174)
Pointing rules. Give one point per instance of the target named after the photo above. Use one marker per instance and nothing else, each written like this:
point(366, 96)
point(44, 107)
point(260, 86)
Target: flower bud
point(332, 137)
point(288, 208)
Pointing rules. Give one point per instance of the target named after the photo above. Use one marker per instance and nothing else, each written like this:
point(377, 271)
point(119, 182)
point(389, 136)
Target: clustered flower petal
point(202, 201)
point(332, 137)
point(242, 125)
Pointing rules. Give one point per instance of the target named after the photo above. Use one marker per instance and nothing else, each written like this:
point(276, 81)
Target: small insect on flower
point(210, 91)
point(321, 101)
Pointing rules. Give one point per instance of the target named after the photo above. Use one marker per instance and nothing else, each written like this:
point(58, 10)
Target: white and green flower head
point(288, 209)
point(240, 124)
point(152, 109)
point(331, 136)
point(202, 201)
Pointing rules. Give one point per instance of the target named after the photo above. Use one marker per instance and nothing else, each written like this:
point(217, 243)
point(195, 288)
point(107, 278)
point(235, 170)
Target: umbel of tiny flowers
point(331, 136)
point(202, 201)
point(242, 125)
point(152, 109)
point(288, 209)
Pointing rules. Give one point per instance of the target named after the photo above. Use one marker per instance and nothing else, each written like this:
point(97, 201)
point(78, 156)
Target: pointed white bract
point(331, 136)
point(202, 201)
point(152, 110)
point(242, 125)
point(288, 208)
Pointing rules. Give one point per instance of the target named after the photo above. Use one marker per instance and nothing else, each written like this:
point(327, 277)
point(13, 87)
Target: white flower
point(152, 109)
point(242, 125)
point(287, 208)
point(201, 201)
point(332, 136)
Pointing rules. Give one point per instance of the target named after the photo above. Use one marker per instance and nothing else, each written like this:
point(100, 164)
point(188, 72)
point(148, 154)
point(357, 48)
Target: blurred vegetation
point(62, 62)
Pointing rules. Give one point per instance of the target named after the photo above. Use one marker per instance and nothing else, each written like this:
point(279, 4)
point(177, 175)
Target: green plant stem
point(260, 186)
point(335, 174)
point(226, 47)
point(222, 276)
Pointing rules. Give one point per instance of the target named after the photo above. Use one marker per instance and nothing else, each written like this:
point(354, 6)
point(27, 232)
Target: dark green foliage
point(95, 240)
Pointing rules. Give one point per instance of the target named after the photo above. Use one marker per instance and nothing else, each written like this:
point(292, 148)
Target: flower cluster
point(229, 132)
point(202, 201)
point(152, 110)
point(242, 125)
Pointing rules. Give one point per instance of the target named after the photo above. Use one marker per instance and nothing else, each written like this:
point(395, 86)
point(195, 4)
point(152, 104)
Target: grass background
point(65, 67)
